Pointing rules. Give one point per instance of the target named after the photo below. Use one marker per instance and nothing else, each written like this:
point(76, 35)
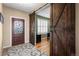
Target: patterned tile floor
point(23, 50)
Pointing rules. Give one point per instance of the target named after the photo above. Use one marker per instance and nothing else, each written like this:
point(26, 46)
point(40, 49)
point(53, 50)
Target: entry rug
point(24, 50)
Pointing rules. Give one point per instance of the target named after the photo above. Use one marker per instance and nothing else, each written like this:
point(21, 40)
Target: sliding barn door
point(62, 27)
point(32, 28)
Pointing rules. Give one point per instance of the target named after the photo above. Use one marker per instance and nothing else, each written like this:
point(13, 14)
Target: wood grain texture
point(62, 26)
point(32, 28)
point(43, 46)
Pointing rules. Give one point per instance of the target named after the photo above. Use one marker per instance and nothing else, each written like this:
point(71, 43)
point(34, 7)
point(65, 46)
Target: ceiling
point(45, 11)
point(27, 7)
point(30, 7)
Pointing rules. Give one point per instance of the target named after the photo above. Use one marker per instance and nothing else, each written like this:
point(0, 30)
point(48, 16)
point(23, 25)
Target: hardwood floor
point(43, 46)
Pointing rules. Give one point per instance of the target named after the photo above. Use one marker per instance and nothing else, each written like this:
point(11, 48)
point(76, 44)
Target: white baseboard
point(6, 46)
point(11, 46)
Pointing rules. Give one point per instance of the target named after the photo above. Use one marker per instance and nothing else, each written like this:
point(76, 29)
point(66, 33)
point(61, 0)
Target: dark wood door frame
point(32, 28)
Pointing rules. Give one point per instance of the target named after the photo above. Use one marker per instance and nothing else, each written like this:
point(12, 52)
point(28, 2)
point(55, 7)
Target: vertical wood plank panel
point(62, 40)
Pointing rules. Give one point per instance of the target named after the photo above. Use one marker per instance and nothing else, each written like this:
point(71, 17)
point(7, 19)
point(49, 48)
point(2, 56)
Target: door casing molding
point(11, 28)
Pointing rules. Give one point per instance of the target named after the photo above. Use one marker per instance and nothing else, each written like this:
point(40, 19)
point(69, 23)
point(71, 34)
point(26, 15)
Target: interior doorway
point(43, 29)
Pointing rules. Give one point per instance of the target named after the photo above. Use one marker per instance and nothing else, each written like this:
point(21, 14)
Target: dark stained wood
point(32, 28)
point(62, 29)
point(17, 38)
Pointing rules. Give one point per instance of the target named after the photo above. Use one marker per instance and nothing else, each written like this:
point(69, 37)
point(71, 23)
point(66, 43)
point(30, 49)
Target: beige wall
point(0, 32)
point(77, 29)
point(8, 14)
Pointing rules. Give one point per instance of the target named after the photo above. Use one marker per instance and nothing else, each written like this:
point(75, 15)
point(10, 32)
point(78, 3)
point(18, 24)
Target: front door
point(17, 31)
